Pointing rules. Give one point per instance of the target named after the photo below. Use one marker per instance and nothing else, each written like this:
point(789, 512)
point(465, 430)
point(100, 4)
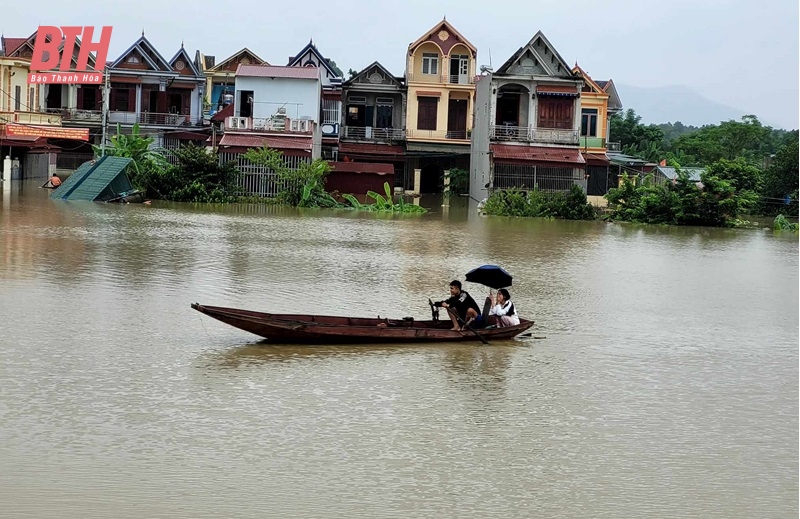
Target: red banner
point(52, 132)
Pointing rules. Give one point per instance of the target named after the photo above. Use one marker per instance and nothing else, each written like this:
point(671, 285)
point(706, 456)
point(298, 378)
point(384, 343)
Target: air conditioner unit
point(238, 123)
point(299, 125)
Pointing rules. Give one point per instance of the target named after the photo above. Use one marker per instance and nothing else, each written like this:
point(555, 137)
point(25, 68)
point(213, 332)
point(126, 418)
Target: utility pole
point(105, 113)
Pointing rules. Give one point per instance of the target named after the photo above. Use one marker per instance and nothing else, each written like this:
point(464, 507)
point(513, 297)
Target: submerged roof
point(96, 180)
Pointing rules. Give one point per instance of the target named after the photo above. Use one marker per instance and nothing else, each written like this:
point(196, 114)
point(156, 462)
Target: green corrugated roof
point(105, 177)
point(72, 181)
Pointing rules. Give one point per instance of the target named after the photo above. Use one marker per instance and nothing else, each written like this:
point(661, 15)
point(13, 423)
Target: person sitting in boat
point(503, 311)
point(461, 306)
point(54, 181)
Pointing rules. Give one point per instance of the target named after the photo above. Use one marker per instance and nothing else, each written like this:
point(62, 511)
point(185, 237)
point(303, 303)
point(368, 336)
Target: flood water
point(661, 379)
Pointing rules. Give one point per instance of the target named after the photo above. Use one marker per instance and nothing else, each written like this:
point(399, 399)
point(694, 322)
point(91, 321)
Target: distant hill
point(666, 104)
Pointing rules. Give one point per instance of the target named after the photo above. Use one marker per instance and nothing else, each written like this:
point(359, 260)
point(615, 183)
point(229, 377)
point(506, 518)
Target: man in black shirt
point(460, 302)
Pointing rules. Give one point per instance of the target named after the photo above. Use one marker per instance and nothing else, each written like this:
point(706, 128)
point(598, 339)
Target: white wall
point(301, 97)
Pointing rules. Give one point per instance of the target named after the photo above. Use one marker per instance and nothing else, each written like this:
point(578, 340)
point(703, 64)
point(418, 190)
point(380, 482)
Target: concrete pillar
point(139, 99)
point(7, 169)
point(417, 180)
point(446, 189)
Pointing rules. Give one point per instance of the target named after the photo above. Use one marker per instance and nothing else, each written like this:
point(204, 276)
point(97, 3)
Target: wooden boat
point(326, 329)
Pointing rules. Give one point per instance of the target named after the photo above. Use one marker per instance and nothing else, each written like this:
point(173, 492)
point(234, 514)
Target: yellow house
point(221, 77)
point(440, 81)
point(599, 102)
point(440, 76)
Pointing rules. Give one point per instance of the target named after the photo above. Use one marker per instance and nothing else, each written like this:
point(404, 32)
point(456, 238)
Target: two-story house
point(278, 107)
point(331, 103)
point(31, 138)
point(221, 77)
point(527, 124)
point(599, 102)
point(440, 78)
point(158, 94)
point(373, 124)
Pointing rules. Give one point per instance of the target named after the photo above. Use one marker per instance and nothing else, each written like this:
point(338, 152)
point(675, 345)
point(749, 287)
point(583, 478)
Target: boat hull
point(322, 329)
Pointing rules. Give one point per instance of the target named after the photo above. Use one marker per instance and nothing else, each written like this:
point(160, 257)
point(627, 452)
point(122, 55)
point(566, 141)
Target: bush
point(571, 205)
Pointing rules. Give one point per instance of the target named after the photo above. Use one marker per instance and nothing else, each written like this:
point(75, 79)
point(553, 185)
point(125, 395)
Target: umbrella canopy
point(490, 275)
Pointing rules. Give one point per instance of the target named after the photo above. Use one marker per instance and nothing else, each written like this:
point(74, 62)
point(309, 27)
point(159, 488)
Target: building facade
point(440, 81)
point(527, 124)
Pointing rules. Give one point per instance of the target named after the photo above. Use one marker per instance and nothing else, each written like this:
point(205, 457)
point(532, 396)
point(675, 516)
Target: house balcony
point(154, 119)
point(75, 117)
point(273, 124)
point(438, 135)
point(442, 79)
point(530, 134)
point(613, 146)
point(36, 118)
point(374, 134)
point(592, 142)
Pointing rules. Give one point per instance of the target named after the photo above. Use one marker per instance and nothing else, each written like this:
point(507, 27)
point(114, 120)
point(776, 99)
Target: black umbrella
point(490, 275)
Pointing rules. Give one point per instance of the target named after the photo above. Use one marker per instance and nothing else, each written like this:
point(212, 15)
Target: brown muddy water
point(666, 386)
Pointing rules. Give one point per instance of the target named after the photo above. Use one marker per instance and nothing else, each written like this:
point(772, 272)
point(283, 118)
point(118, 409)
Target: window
point(330, 111)
point(430, 63)
point(31, 99)
point(426, 116)
point(356, 115)
point(589, 122)
point(17, 98)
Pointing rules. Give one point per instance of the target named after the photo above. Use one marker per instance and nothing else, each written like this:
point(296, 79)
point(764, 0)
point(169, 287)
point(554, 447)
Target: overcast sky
point(742, 53)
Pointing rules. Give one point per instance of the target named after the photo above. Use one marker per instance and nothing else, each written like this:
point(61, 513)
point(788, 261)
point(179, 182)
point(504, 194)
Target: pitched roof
point(244, 50)
point(586, 77)
point(9, 45)
point(276, 71)
point(449, 27)
point(159, 64)
point(672, 173)
point(366, 69)
point(325, 62)
point(186, 59)
point(96, 180)
point(547, 65)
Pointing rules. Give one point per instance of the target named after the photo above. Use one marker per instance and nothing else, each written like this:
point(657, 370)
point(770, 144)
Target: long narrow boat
point(327, 329)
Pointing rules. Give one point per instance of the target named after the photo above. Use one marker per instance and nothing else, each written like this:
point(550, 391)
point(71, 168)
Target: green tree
point(146, 159)
point(335, 68)
point(781, 179)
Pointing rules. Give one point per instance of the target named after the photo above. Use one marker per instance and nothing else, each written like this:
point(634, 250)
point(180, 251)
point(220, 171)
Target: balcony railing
point(438, 134)
point(153, 119)
point(270, 124)
point(374, 134)
point(442, 79)
point(39, 118)
point(592, 142)
point(530, 134)
point(75, 116)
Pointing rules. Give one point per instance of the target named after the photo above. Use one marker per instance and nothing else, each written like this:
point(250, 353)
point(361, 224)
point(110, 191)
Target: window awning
point(557, 90)
point(534, 154)
point(362, 149)
point(289, 145)
point(596, 159)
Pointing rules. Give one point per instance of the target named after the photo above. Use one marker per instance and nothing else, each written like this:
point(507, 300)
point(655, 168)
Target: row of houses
point(535, 121)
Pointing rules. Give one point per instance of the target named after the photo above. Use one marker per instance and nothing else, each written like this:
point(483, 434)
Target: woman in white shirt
point(504, 310)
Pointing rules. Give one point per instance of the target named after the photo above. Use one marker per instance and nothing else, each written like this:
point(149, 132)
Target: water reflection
point(666, 386)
